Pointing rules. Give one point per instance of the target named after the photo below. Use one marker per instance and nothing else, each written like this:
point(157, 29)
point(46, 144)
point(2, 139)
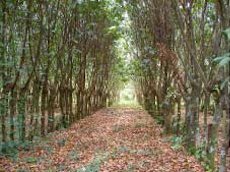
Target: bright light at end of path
point(127, 96)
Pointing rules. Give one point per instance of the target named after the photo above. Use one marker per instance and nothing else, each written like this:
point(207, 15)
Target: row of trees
point(181, 51)
point(57, 64)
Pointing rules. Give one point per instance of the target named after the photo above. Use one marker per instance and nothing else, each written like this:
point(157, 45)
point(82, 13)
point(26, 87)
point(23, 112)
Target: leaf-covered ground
point(110, 140)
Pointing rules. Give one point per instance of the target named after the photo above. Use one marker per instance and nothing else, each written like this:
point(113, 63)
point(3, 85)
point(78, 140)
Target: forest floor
point(113, 139)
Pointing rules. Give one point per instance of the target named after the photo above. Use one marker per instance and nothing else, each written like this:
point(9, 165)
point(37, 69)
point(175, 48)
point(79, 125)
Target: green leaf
point(227, 34)
point(222, 60)
point(225, 82)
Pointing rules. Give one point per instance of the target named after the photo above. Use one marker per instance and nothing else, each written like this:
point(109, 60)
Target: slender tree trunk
point(213, 134)
point(78, 116)
point(3, 99)
point(224, 146)
point(178, 116)
point(205, 128)
point(35, 110)
point(12, 105)
point(22, 115)
point(43, 108)
point(192, 121)
point(51, 107)
point(3, 110)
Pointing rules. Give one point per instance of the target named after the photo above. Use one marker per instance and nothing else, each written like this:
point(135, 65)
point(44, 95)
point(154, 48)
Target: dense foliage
point(58, 64)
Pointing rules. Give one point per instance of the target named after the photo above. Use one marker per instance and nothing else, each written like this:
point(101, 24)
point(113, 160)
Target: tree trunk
point(35, 114)
point(178, 116)
point(213, 134)
point(43, 108)
point(22, 115)
point(51, 108)
point(224, 146)
point(192, 121)
point(3, 110)
point(12, 105)
point(3, 99)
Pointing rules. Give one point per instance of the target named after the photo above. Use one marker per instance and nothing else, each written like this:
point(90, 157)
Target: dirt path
point(110, 140)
